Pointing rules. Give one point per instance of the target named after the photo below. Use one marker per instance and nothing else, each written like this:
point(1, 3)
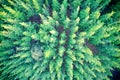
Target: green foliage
point(58, 40)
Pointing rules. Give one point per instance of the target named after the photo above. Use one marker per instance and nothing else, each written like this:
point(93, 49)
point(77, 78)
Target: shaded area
point(116, 74)
point(91, 47)
point(35, 18)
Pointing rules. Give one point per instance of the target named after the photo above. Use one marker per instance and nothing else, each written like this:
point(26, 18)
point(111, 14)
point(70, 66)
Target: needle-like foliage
point(58, 40)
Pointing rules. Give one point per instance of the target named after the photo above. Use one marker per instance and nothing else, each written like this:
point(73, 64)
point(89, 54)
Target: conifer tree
point(58, 40)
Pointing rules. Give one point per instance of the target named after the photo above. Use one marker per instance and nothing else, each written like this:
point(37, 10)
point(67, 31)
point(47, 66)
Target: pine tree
point(58, 40)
